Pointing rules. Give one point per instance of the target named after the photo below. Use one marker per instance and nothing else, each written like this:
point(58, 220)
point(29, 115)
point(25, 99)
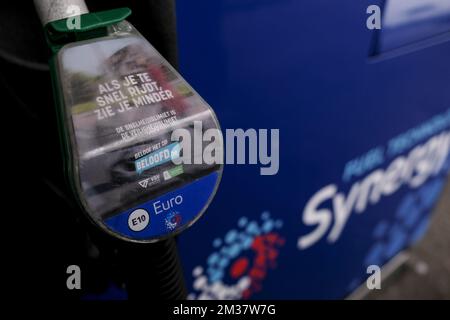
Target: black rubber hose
point(153, 271)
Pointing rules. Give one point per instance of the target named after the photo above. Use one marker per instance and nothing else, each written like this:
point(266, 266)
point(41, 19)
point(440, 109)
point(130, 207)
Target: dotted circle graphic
point(240, 261)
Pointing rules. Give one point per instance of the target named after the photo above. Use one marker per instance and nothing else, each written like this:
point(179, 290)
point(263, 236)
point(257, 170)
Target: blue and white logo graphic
point(156, 158)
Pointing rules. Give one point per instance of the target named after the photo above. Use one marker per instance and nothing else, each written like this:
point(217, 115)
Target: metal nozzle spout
point(52, 10)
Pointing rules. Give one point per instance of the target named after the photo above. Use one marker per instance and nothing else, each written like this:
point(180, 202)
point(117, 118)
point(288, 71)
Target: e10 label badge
point(138, 220)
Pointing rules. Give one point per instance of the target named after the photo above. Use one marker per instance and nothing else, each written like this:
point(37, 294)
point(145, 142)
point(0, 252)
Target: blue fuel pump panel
point(364, 125)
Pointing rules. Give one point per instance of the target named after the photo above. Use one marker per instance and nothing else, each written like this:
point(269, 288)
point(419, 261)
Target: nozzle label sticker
point(154, 159)
point(131, 91)
point(164, 214)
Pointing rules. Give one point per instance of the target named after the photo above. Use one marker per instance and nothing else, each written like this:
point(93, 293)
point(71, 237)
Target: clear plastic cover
point(122, 101)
